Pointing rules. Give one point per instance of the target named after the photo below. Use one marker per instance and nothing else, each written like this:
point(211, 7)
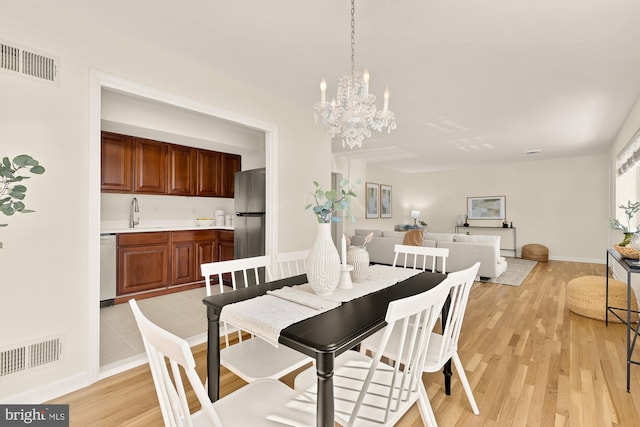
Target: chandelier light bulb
point(385, 108)
point(365, 79)
point(323, 90)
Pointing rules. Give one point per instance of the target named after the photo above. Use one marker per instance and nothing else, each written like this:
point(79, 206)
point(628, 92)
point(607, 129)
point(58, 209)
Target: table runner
point(265, 316)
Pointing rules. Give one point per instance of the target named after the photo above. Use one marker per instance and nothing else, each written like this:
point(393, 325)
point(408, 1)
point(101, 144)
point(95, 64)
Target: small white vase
point(359, 259)
point(323, 263)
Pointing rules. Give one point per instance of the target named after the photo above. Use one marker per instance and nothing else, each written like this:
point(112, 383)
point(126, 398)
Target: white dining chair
point(261, 403)
point(368, 391)
point(442, 347)
point(253, 358)
point(420, 255)
point(292, 263)
point(241, 272)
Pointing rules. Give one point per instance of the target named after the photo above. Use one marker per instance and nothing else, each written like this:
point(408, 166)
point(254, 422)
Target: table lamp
point(415, 215)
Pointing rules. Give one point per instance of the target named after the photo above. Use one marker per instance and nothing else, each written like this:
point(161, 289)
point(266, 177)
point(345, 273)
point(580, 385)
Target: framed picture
point(385, 201)
point(493, 207)
point(372, 200)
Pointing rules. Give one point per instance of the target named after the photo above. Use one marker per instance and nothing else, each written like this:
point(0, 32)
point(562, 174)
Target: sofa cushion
point(413, 238)
point(479, 238)
point(438, 237)
point(394, 234)
point(364, 232)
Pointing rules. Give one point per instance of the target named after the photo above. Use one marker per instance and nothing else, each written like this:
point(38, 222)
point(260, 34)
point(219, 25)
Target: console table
point(613, 254)
point(513, 229)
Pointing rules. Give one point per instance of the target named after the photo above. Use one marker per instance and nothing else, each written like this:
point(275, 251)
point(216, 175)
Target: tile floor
point(181, 313)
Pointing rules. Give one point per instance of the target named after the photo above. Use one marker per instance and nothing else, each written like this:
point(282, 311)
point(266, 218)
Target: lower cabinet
point(143, 262)
point(158, 261)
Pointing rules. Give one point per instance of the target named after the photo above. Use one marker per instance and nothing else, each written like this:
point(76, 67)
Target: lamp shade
point(415, 214)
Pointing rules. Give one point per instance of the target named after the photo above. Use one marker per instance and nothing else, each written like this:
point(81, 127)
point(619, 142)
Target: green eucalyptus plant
point(630, 210)
point(329, 202)
point(12, 191)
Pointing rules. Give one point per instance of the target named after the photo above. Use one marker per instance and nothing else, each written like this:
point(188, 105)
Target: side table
point(613, 254)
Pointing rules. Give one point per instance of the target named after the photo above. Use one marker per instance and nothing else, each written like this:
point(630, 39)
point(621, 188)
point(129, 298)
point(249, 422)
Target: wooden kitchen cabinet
point(231, 163)
point(182, 170)
point(150, 166)
point(143, 262)
point(225, 245)
point(190, 249)
point(209, 178)
point(116, 163)
point(160, 262)
point(136, 165)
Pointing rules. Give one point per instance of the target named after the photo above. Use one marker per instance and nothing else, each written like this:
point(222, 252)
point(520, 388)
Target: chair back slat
point(415, 317)
point(460, 288)
point(420, 255)
point(292, 263)
point(161, 345)
point(246, 268)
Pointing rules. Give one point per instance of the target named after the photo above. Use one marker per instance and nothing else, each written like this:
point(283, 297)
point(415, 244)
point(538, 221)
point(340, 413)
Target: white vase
point(323, 263)
point(359, 259)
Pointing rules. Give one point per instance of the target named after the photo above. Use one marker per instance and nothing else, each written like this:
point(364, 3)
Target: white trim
point(49, 391)
point(587, 260)
point(99, 80)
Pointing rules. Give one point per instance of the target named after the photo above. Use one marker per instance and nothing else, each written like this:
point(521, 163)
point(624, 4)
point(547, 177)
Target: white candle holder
point(345, 277)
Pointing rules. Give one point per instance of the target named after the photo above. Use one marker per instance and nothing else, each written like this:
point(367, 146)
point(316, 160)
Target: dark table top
point(336, 330)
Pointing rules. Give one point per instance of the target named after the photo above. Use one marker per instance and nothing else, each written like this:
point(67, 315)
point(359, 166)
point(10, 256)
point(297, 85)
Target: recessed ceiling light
point(532, 152)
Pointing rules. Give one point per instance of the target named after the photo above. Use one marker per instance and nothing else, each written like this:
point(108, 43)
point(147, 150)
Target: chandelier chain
point(353, 36)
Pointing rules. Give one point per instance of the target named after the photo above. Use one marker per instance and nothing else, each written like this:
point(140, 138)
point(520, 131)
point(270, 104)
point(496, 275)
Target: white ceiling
point(472, 82)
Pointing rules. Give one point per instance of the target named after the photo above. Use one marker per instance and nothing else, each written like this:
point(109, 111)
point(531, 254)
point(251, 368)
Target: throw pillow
point(413, 238)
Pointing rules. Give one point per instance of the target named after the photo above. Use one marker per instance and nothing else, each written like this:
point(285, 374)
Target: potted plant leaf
point(12, 190)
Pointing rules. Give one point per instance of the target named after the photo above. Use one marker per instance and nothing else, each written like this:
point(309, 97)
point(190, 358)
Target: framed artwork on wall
point(372, 200)
point(493, 207)
point(385, 201)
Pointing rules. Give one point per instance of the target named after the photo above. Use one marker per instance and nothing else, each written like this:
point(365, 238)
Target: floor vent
point(25, 62)
point(23, 358)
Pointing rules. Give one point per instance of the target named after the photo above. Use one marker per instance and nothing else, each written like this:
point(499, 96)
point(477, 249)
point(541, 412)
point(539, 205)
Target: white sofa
point(464, 250)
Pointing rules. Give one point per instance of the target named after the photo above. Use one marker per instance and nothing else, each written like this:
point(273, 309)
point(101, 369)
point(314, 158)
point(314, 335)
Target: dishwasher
point(107, 269)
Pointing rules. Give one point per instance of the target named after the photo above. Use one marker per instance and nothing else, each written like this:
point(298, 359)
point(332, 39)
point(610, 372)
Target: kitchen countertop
point(117, 227)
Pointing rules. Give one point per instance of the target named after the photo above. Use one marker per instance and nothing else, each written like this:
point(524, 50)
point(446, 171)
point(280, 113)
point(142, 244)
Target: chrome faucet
point(132, 209)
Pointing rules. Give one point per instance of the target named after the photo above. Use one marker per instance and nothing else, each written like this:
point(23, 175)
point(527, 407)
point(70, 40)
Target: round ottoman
point(535, 252)
point(586, 297)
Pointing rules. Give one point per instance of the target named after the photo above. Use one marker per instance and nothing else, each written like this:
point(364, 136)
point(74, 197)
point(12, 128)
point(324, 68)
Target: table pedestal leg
point(447, 377)
point(325, 416)
point(447, 366)
point(213, 359)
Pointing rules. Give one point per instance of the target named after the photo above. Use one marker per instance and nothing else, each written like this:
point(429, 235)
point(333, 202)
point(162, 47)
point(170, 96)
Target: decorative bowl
point(627, 252)
point(204, 222)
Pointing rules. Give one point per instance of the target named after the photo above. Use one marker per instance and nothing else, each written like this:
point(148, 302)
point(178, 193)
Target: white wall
point(561, 204)
point(47, 270)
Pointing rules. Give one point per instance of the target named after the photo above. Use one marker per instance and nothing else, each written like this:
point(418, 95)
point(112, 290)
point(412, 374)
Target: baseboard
point(50, 391)
point(585, 260)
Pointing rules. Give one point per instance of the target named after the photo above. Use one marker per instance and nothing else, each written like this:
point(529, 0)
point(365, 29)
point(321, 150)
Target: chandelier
point(353, 113)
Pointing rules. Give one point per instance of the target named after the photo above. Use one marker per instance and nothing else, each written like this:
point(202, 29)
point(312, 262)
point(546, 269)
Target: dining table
point(323, 336)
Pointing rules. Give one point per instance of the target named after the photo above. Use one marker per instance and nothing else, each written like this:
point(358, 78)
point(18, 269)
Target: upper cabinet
point(231, 164)
point(209, 173)
point(116, 171)
point(182, 170)
point(137, 165)
point(150, 166)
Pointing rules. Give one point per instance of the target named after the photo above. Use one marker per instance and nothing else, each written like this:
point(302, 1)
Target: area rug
point(517, 270)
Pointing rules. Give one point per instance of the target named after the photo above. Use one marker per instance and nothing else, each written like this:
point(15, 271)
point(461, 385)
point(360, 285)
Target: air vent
point(21, 61)
point(25, 357)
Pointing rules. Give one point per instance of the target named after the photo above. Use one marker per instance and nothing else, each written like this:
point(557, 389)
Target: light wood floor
point(530, 362)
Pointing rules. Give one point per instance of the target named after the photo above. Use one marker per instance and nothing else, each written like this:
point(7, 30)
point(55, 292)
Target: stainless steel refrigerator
point(250, 206)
